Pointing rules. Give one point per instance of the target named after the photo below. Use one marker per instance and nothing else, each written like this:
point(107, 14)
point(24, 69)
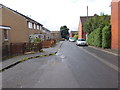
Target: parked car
point(81, 42)
point(71, 39)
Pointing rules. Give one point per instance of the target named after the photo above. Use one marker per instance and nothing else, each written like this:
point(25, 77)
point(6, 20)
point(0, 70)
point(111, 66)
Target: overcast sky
point(55, 13)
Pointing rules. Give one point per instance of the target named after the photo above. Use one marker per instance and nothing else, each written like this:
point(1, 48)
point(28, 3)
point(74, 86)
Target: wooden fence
point(19, 48)
point(48, 43)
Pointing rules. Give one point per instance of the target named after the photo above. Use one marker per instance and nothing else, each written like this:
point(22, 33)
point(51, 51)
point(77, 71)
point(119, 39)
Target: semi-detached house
point(46, 33)
point(16, 27)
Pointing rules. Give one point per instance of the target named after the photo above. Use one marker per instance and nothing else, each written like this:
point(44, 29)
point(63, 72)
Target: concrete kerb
point(55, 49)
point(24, 59)
point(104, 50)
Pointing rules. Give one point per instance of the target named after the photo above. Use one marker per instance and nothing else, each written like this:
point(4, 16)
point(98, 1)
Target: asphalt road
point(71, 67)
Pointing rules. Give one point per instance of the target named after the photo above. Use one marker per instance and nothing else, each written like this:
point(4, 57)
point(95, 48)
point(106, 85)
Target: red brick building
point(115, 22)
point(72, 33)
point(81, 33)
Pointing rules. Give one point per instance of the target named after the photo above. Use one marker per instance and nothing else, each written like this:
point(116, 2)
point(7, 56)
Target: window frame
point(38, 27)
point(5, 34)
point(34, 26)
point(30, 25)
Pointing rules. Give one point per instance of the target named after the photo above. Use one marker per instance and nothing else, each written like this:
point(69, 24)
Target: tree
point(64, 32)
point(95, 22)
point(87, 27)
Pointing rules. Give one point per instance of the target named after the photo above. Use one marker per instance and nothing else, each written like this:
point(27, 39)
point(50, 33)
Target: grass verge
point(25, 59)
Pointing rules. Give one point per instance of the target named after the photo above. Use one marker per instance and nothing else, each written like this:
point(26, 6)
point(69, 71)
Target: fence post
point(10, 49)
point(23, 48)
point(39, 46)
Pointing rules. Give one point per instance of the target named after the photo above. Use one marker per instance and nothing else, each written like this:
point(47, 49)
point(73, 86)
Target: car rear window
point(81, 39)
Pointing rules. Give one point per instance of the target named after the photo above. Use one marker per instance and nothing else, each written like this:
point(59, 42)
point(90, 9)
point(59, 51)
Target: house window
point(0, 6)
point(5, 34)
point(30, 25)
point(34, 26)
point(38, 27)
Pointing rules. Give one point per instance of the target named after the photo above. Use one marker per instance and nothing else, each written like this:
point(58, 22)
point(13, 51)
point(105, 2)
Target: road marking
point(102, 60)
point(105, 51)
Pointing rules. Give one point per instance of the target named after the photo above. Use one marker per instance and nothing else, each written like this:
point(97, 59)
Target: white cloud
point(55, 13)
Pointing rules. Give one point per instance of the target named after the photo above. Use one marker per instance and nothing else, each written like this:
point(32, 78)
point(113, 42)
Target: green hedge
point(98, 29)
point(106, 37)
point(95, 38)
point(100, 37)
point(90, 39)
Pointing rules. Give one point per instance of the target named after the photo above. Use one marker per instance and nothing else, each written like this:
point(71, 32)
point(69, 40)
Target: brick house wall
point(115, 22)
point(56, 35)
point(19, 32)
point(0, 16)
point(0, 31)
point(71, 35)
point(18, 26)
point(84, 35)
point(80, 31)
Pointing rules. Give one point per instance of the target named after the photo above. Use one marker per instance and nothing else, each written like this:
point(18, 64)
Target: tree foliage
point(37, 40)
point(106, 37)
point(33, 39)
point(87, 27)
point(64, 32)
point(95, 22)
point(99, 31)
point(75, 37)
point(76, 33)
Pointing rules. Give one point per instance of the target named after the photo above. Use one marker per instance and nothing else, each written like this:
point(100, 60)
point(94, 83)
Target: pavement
point(46, 51)
point(110, 51)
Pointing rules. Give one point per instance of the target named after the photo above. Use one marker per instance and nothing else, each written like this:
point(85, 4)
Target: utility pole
point(87, 12)
point(87, 19)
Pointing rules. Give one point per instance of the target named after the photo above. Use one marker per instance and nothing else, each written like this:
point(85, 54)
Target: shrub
point(95, 38)
point(62, 39)
point(98, 38)
point(98, 29)
point(75, 37)
point(37, 40)
point(95, 22)
point(106, 37)
point(90, 39)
